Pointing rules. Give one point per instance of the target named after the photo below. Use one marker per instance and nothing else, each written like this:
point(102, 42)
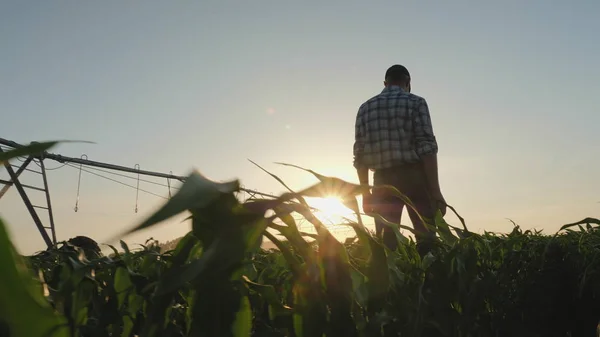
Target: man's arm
point(431, 173)
point(359, 135)
point(426, 147)
point(363, 175)
point(361, 169)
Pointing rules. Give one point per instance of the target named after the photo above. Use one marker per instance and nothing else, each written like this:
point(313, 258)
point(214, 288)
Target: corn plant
point(217, 281)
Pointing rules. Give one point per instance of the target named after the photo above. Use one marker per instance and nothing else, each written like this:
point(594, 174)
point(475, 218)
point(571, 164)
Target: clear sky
point(512, 87)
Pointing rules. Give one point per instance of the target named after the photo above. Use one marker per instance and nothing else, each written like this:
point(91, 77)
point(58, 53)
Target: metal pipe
point(65, 159)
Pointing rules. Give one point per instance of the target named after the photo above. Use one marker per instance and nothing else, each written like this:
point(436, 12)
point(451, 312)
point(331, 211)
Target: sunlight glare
point(331, 210)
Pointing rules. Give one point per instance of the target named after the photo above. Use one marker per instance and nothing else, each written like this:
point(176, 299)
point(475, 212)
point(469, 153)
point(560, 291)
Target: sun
point(330, 210)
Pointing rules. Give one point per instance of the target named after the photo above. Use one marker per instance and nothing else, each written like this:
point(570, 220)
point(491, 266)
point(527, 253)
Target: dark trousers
point(411, 181)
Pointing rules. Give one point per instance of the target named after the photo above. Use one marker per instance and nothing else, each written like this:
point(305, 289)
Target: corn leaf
point(21, 299)
point(197, 192)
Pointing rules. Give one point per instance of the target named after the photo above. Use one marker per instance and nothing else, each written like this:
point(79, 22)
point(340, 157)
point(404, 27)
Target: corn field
point(217, 281)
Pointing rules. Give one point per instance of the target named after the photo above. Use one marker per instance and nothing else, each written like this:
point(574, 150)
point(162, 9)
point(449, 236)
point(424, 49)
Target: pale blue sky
point(512, 86)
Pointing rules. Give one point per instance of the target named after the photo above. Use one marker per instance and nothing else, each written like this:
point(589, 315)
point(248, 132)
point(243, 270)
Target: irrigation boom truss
point(50, 240)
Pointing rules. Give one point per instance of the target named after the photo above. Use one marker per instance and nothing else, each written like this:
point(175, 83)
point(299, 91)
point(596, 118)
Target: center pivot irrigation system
point(39, 159)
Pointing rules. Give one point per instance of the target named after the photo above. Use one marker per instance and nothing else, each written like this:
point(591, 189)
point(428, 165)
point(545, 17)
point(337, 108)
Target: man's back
point(393, 129)
point(394, 138)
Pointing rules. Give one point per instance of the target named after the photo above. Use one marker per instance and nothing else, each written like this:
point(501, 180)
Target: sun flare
point(330, 210)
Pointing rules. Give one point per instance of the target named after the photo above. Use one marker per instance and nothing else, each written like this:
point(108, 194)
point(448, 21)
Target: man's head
point(397, 75)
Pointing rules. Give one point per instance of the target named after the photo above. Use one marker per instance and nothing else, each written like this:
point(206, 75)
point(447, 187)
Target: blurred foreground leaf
point(34, 148)
point(22, 304)
point(196, 192)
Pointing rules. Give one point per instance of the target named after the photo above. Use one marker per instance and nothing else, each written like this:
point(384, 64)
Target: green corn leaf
point(579, 223)
point(428, 260)
point(226, 252)
point(378, 278)
point(34, 149)
point(31, 149)
point(337, 281)
point(359, 287)
point(184, 248)
point(443, 229)
point(267, 292)
point(274, 176)
point(179, 276)
point(196, 192)
point(292, 234)
point(309, 317)
point(292, 260)
point(21, 298)
point(80, 301)
point(242, 324)
point(332, 185)
point(220, 310)
point(125, 247)
point(127, 326)
point(122, 284)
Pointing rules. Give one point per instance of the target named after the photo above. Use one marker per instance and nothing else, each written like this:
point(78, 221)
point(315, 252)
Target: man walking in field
point(394, 138)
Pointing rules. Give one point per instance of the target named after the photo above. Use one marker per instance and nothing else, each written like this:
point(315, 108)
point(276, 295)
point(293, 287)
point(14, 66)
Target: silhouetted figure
point(394, 138)
point(89, 246)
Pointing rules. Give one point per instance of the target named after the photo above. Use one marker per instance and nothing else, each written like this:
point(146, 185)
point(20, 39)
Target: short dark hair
point(397, 73)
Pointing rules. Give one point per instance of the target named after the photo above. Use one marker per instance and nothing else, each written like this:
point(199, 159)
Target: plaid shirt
point(392, 129)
